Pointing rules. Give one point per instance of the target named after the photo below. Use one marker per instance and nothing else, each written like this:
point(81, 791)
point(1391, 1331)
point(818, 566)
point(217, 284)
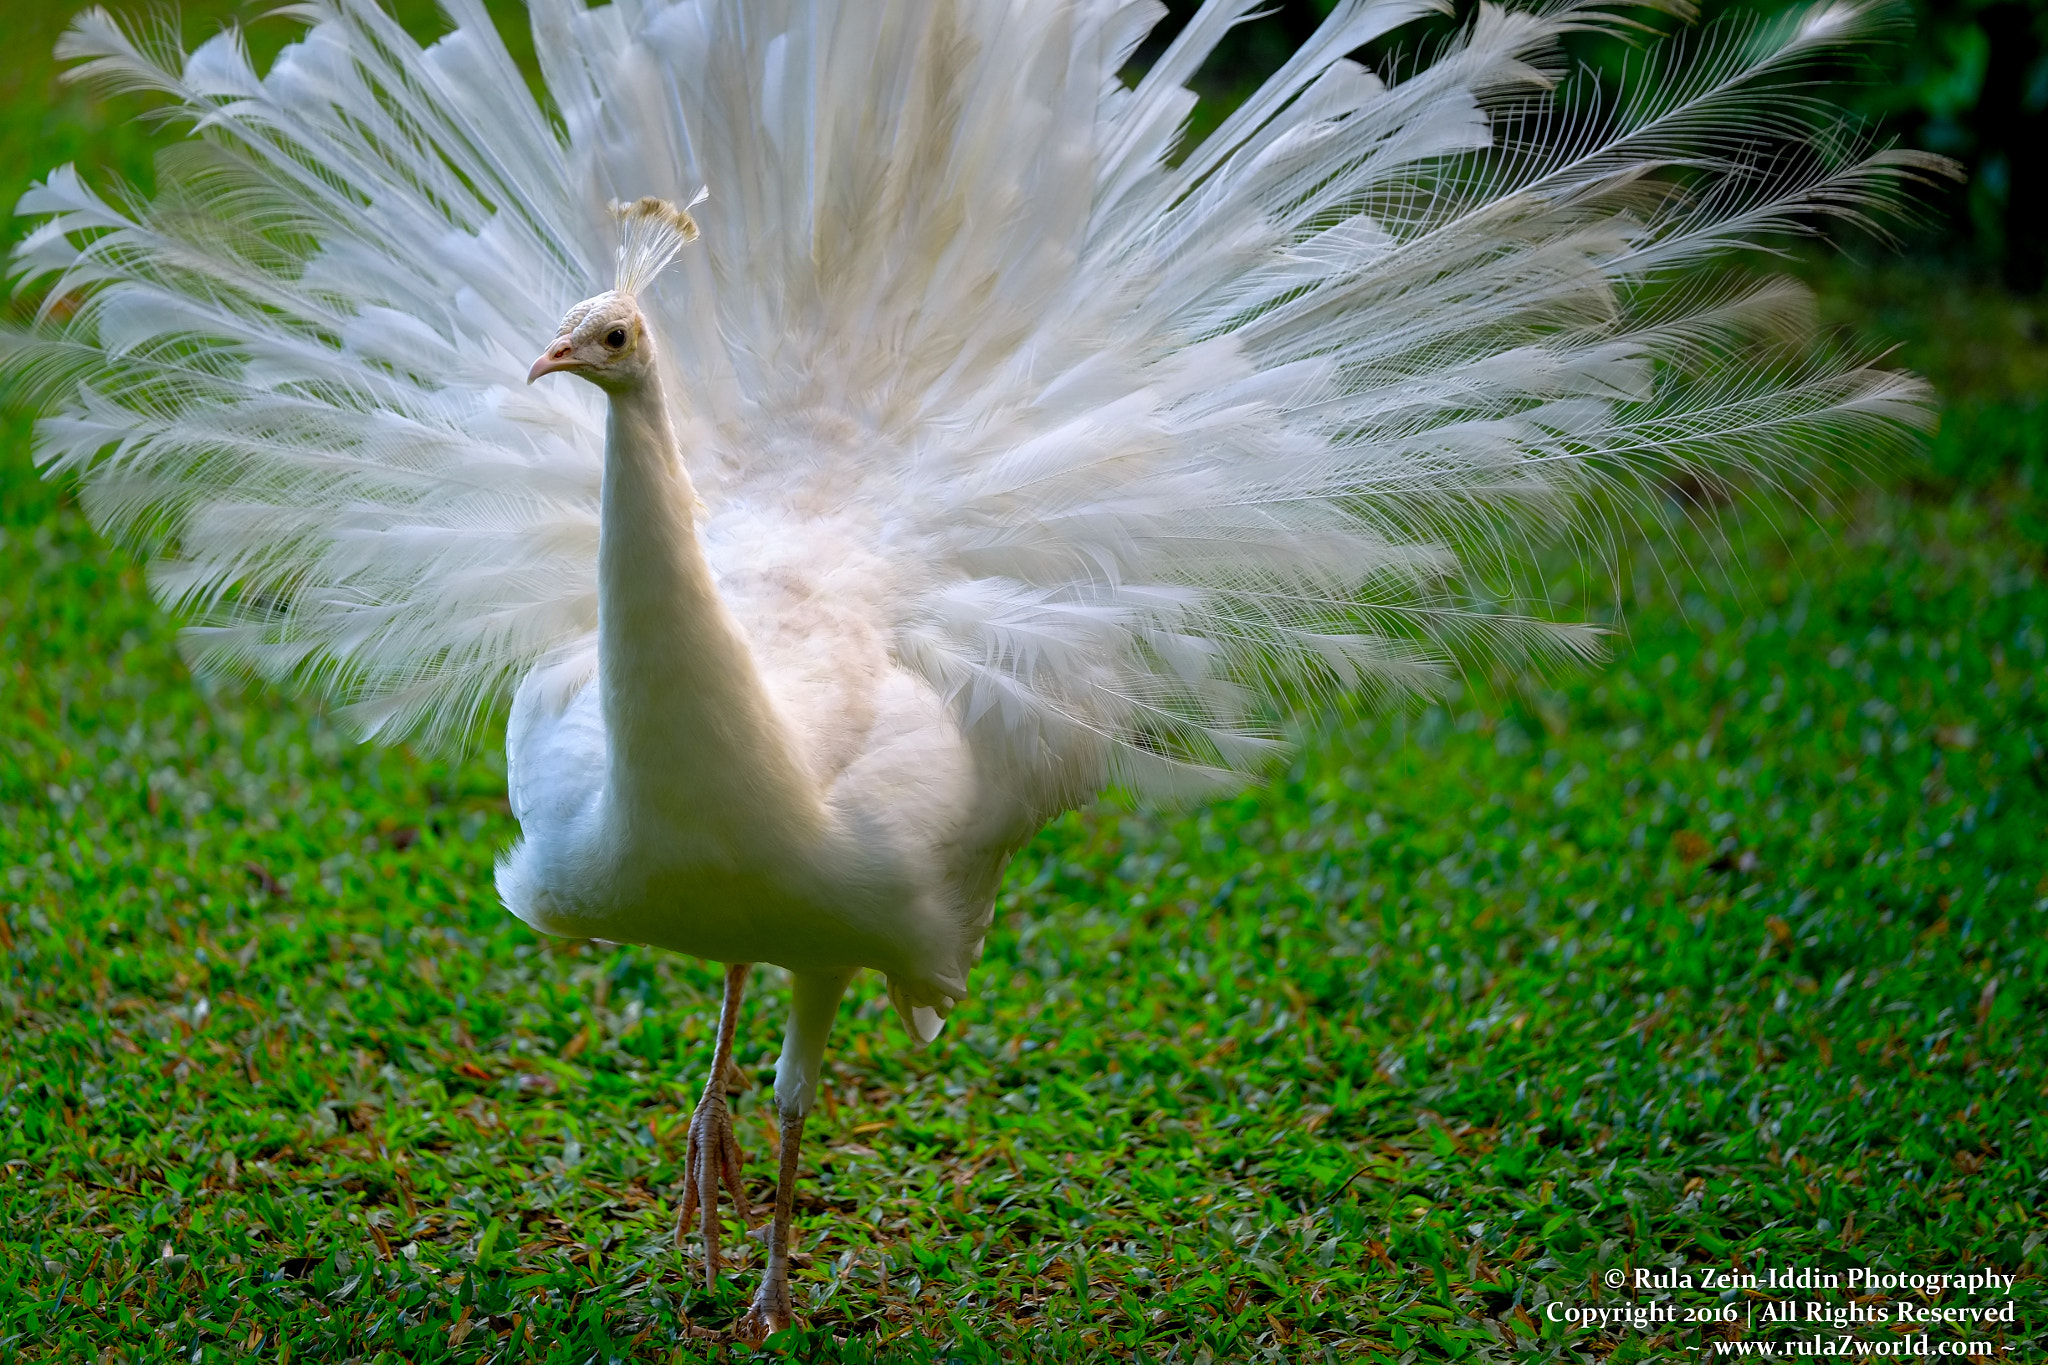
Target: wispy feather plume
point(651, 232)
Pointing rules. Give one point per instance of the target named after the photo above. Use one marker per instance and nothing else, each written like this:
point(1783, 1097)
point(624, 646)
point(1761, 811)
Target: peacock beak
point(556, 357)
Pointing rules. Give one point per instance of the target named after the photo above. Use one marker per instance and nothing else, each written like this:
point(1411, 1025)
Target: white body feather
point(1017, 458)
point(787, 793)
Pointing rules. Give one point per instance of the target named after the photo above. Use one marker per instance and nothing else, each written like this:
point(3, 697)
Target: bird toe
point(712, 1162)
point(769, 1315)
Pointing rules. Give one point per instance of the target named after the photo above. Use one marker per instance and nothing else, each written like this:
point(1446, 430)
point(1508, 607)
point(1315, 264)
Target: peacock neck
point(690, 728)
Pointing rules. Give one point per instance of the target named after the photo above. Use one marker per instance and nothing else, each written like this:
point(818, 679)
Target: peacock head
point(605, 338)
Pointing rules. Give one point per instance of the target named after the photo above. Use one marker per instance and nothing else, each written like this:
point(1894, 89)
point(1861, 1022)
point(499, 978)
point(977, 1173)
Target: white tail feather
point(1155, 449)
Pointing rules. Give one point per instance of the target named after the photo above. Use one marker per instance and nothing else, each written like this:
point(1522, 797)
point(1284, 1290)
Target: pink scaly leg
point(714, 1154)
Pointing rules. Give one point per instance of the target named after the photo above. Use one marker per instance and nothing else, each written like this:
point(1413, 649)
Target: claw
point(713, 1160)
point(770, 1312)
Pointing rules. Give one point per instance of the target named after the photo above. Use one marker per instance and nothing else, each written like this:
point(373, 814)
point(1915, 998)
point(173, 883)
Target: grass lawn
point(1724, 959)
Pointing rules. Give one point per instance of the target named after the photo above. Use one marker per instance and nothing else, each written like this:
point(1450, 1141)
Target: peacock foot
point(713, 1160)
point(770, 1312)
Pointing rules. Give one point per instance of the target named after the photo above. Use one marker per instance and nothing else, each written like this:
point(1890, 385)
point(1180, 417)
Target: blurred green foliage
point(1972, 83)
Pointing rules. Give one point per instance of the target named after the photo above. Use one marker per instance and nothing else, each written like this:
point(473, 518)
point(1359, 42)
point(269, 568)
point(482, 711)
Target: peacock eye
point(615, 338)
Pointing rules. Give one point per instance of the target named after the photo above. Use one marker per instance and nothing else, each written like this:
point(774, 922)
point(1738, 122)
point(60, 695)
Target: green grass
point(1727, 955)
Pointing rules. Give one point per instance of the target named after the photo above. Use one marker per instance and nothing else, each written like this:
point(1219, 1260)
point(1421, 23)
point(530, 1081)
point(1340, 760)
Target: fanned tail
point(1156, 443)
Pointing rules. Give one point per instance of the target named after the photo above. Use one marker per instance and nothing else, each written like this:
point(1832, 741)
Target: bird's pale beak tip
point(555, 357)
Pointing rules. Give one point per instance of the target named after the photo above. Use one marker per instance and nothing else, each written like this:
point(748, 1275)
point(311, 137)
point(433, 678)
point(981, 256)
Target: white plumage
point(984, 452)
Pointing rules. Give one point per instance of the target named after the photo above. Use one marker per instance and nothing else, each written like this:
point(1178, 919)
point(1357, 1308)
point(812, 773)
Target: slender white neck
point(691, 730)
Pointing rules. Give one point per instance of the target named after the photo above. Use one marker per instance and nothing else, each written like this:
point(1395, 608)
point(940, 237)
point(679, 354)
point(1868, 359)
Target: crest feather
point(651, 232)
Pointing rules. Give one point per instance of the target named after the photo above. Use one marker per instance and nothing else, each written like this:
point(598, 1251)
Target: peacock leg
point(771, 1311)
point(714, 1154)
point(814, 1001)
